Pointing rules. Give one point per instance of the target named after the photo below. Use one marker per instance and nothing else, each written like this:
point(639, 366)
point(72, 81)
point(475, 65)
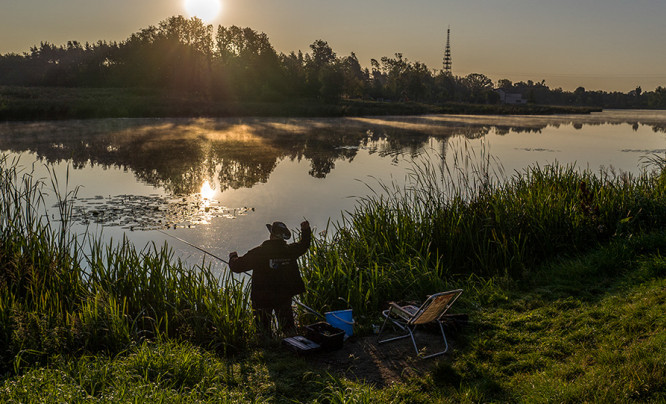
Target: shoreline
point(62, 103)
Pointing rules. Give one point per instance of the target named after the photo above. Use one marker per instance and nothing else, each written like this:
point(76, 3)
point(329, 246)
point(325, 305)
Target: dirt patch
point(363, 359)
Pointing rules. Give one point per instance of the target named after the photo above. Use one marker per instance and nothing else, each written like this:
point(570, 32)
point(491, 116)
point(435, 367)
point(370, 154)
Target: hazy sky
point(598, 44)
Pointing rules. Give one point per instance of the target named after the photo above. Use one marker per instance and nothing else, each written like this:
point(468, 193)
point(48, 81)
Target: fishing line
point(192, 245)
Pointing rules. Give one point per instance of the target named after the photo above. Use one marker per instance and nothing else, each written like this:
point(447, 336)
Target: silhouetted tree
point(235, 63)
point(479, 87)
point(355, 78)
point(322, 54)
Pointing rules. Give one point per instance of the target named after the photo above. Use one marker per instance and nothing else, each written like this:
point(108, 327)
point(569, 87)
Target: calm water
point(216, 183)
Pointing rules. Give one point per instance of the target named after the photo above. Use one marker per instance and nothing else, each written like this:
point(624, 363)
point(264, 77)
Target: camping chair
point(407, 318)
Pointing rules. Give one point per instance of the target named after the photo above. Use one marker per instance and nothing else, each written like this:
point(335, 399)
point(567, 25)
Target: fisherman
point(276, 278)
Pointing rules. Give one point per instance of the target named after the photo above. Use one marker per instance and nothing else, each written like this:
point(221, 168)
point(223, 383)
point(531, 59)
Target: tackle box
point(301, 345)
point(324, 334)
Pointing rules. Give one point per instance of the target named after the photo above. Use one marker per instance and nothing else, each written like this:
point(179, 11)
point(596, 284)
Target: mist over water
point(217, 182)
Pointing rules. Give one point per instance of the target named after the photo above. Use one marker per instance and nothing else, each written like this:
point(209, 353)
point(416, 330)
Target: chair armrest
point(399, 311)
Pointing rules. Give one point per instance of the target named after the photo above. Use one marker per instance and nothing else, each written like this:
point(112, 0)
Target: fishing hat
point(280, 230)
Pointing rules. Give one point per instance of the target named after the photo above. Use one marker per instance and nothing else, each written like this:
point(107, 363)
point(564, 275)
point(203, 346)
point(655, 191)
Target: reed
point(459, 223)
point(63, 293)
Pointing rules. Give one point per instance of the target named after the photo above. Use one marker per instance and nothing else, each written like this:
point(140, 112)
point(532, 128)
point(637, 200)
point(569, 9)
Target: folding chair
point(407, 318)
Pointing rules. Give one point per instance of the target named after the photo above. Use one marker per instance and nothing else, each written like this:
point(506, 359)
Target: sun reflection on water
point(207, 192)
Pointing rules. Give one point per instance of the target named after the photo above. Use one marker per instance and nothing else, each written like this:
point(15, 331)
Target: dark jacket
point(275, 275)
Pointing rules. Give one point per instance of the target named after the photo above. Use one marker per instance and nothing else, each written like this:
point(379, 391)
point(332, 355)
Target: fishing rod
point(310, 309)
point(192, 245)
point(238, 282)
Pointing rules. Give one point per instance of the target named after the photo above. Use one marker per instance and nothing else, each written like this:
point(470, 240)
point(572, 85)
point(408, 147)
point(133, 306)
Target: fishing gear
point(311, 310)
point(192, 245)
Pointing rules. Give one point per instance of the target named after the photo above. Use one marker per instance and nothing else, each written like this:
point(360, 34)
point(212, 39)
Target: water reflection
point(207, 192)
point(180, 173)
point(181, 154)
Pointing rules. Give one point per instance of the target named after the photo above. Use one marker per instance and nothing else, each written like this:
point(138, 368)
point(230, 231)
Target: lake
point(217, 182)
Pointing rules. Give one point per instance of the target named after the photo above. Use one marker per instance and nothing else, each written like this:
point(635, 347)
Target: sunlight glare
point(207, 192)
point(207, 10)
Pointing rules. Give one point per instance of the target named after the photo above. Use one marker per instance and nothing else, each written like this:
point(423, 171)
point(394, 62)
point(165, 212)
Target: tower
point(447, 52)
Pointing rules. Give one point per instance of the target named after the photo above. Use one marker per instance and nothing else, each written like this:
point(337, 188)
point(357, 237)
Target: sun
point(207, 10)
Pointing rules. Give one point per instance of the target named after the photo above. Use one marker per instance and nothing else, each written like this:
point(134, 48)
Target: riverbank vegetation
point(59, 103)
point(447, 224)
point(562, 270)
point(234, 70)
point(55, 298)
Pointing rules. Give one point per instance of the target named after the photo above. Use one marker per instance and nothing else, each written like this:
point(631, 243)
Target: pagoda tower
point(447, 52)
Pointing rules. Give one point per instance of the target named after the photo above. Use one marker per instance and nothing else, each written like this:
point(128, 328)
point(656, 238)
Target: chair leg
point(381, 330)
point(380, 341)
point(411, 334)
point(446, 343)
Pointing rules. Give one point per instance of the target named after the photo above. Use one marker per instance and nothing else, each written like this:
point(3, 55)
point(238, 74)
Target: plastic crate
point(326, 335)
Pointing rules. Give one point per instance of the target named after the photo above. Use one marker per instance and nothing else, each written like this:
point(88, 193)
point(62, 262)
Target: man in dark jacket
point(275, 278)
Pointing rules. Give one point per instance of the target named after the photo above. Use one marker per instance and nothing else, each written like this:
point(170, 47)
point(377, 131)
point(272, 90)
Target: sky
point(611, 45)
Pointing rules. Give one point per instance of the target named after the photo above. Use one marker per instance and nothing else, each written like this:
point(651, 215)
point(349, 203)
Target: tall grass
point(452, 223)
point(60, 293)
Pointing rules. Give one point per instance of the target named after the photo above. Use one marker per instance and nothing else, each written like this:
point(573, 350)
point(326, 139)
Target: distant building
point(510, 98)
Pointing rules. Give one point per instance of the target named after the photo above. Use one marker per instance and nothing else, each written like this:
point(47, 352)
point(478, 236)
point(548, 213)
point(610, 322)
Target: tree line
point(240, 64)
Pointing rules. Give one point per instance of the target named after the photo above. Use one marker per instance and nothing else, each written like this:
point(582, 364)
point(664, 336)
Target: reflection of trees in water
point(236, 174)
point(504, 130)
point(181, 154)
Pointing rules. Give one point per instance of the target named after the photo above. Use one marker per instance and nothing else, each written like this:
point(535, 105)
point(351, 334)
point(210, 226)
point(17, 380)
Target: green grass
point(587, 329)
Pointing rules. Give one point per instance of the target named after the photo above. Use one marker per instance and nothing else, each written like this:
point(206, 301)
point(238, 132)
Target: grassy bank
point(587, 329)
point(56, 103)
point(562, 270)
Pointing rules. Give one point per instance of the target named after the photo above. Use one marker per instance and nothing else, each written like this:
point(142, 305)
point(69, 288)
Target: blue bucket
point(341, 319)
